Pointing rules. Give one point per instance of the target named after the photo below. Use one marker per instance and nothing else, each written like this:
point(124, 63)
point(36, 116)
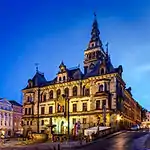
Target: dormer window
point(102, 71)
point(64, 78)
point(59, 78)
point(30, 83)
point(92, 44)
point(90, 56)
point(29, 99)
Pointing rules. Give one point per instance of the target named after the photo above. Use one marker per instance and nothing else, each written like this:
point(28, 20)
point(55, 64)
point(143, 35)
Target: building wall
point(17, 118)
point(89, 116)
point(6, 117)
point(146, 122)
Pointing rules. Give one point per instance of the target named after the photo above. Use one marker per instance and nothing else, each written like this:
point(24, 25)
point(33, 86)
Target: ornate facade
point(6, 117)
point(99, 92)
point(17, 116)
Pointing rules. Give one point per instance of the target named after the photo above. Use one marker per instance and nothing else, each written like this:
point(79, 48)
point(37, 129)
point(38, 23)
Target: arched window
point(87, 92)
point(93, 55)
point(64, 78)
point(59, 78)
point(44, 98)
point(90, 56)
point(66, 92)
point(29, 98)
point(51, 94)
point(102, 71)
point(58, 93)
point(74, 92)
point(101, 88)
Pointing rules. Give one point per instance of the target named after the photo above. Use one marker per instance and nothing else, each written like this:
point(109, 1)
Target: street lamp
point(66, 112)
point(98, 122)
point(24, 133)
point(118, 120)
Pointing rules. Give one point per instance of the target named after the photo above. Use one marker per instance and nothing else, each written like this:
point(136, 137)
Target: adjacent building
point(6, 117)
point(17, 116)
point(97, 95)
point(146, 121)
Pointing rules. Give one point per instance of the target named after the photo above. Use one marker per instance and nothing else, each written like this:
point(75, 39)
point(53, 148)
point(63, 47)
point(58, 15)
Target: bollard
point(58, 147)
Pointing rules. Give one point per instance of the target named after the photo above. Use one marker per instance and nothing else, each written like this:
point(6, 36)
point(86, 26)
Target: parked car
point(135, 127)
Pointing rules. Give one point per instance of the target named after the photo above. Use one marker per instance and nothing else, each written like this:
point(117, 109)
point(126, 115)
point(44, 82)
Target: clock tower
point(94, 53)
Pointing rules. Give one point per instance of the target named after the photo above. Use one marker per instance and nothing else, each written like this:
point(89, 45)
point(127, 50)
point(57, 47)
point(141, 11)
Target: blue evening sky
point(48, 31)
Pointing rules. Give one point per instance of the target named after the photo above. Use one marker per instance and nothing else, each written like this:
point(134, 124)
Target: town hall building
point(96, 96)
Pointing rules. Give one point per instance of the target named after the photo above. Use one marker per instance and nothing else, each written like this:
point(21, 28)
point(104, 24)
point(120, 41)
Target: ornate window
point(97, 104)
point(87, 92)
point(101, 88)
point(42, 110)
point(51, 94)
point(74, 106)
point(50, 109)
point(75, 90)
point(93, 55)
point(44, 98)
point(64, 78)
point(102, 71)
point(84, 107)
point(59, 78)
point(58, 93)
point(29, 99)
point(66, 92)
point(90, 56)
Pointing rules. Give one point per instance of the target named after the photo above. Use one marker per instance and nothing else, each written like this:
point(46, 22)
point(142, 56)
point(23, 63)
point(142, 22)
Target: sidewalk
point(84, 144)
point(55, 145)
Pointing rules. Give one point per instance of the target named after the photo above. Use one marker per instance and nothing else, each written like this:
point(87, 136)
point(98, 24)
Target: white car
point(135, 127)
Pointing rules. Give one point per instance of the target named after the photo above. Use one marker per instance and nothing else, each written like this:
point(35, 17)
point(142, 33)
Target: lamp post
point(23, 127)
point(98, 122)
point(66, 112)
point(118, 120)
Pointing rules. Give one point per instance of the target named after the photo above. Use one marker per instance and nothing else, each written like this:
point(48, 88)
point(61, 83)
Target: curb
point(98, 140)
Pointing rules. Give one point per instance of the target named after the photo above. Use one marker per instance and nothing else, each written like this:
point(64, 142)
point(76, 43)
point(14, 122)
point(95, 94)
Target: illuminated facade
point(17, 116)
point(146, 121)
point(6, 117)
point(99, 92)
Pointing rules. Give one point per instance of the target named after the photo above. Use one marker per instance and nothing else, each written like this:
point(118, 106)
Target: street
point(123, 141)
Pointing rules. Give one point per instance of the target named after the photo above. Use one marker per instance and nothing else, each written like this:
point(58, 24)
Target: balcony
point(102, 93)
point(29, 103)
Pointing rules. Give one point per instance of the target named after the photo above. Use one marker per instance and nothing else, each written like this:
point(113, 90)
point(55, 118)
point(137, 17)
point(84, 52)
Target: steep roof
point(13, 102)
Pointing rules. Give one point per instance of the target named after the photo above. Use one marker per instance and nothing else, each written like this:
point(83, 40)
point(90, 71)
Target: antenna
point(37, 65)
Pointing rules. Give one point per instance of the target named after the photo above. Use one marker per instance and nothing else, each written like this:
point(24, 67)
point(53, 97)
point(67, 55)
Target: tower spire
point(37, 65)
point(95, 39)
point(107, 47)
point(94, 15)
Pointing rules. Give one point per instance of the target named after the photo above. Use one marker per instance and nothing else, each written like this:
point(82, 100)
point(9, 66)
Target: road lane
point(122, 141)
